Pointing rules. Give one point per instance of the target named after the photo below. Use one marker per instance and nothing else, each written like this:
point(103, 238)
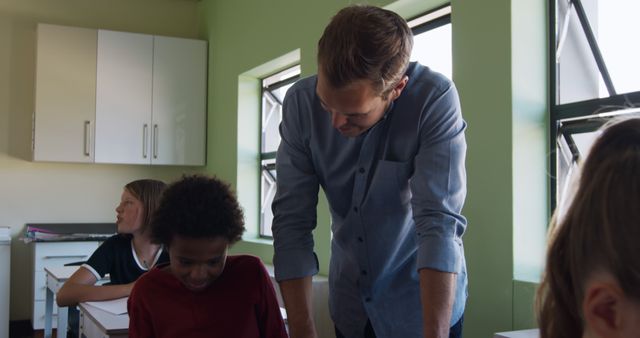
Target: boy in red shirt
point(203, 292)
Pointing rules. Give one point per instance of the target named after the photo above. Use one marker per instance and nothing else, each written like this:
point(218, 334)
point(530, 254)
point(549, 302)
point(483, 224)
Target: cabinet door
point(123, 97)
point(65, 99)
point(179, 101)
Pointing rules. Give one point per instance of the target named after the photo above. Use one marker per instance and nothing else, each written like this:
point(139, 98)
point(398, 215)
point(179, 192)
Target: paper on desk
point(115, 306)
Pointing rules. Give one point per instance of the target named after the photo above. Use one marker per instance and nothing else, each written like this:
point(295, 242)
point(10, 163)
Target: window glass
point(620, 51)
point(594, 77)
point(575, 138)
point(274, 89)
point(595, 54)
point(267, 192)
point(432, 40)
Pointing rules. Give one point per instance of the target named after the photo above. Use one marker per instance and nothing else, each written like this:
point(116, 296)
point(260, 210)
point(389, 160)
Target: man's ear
point(397, 90)
point(602, 308)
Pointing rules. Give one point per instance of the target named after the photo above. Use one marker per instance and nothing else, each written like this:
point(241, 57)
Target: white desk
point(56, 276)
point(532, 333)
point(96, 323)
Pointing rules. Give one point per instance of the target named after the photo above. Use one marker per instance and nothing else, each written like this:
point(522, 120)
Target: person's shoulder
point(305, 86)
point(117, 241)
point(146, 285)
point(245, 260)
point(153, 276)
point(420, 75)
point(246, 264)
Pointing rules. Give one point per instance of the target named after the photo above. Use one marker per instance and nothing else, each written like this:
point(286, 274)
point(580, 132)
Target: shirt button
point(368, 299)
point(361, 170)
point(360, 239)
point(355, 209)
point(364, 272)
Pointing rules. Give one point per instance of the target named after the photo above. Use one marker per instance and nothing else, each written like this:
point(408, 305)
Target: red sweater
point(241, 303)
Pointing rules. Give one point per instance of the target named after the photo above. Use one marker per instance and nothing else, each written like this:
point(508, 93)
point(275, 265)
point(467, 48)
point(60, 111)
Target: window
point(432, 40)
point(274, 88)
point(594, 77)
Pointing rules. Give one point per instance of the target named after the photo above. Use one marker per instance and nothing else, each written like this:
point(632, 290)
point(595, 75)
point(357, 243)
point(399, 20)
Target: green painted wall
point(523, 305)
point(529, 148)
point(491, 78)
point(481, 70)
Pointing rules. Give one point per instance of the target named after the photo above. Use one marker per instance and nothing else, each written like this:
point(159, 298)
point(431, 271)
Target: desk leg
point(63, 321)
point(48, 313)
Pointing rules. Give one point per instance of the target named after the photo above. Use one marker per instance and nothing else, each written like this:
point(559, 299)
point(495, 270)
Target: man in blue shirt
point(385, 139)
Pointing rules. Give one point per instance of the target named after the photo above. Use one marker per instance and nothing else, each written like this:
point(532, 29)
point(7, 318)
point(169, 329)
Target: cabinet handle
point(155, 141)
point(87, 138)
point(65, 256)
point(144, 140)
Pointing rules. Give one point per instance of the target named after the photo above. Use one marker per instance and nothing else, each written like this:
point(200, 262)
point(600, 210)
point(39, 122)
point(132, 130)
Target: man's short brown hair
point(365, 43)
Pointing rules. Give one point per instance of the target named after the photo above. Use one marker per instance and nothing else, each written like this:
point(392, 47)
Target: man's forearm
point(298, 300)
point(437, 291)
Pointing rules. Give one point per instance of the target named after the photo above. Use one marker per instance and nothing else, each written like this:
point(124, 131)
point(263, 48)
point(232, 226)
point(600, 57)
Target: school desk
point(531, 333)
point(56, 276)
point(98, 323)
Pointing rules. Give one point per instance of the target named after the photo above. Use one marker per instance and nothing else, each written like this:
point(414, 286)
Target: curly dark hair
point(197, 206)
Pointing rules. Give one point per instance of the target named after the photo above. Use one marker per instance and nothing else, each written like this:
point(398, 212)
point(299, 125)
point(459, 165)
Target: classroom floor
point(22, 329)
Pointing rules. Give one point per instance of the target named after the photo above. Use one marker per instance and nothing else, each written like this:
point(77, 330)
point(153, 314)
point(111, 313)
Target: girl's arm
point(80, 287)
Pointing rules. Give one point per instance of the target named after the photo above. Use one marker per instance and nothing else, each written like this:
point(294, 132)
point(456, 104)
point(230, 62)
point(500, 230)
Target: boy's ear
point(602, 308)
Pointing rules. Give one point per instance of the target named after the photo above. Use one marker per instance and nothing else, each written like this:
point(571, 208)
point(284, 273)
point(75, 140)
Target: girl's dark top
point(116, 257)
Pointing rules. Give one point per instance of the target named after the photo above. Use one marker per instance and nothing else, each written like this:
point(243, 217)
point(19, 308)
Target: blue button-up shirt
point(395, 194)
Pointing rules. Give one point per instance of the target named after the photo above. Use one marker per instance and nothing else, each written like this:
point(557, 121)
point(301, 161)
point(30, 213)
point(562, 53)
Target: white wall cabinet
point(123, 97)
point(150, 99)
point(148, 103)
point(179, 101)
point(65, 101)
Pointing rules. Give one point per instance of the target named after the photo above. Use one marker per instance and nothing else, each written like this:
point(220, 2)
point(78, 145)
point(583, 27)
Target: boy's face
point(197, 262)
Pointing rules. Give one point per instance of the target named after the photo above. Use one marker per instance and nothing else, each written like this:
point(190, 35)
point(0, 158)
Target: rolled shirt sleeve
point(294, 205)
point(438, 186)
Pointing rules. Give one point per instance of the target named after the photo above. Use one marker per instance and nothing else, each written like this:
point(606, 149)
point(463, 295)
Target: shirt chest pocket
point(389, 188)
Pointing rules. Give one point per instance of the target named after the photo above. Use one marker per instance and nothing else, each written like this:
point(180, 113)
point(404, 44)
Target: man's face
point(197, 262)
point(354, 108)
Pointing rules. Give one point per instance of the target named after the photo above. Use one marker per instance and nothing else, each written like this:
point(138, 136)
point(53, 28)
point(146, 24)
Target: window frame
point(580, 109)
point(269, 156)
point(422, 23)
point(428, 21)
